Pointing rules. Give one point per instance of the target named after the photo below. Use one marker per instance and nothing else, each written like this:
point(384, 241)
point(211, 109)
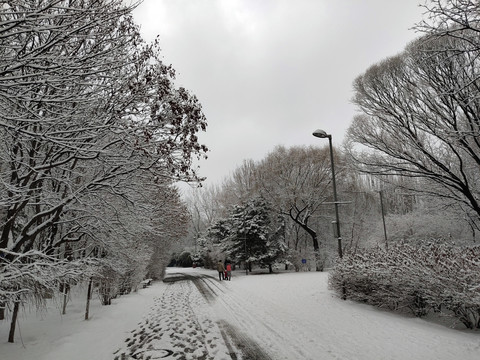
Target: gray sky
point(270, 72)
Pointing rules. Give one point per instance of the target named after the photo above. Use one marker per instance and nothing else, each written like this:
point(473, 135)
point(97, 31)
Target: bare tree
point(205, 207)
point(455, 19)
point(297, 181)
point(420, 120)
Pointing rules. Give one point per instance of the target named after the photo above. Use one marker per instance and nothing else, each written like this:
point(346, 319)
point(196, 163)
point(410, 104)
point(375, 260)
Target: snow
point(69, 337)
point(276, 316)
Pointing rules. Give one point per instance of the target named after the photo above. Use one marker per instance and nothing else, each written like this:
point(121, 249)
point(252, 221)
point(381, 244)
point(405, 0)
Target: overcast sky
point(270, 72)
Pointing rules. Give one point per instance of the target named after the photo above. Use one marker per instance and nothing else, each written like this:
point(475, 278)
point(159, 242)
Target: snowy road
point(285, 316)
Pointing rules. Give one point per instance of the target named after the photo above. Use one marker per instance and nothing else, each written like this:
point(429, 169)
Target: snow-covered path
point(267, 317)
point(294, 316)
point(181, 324)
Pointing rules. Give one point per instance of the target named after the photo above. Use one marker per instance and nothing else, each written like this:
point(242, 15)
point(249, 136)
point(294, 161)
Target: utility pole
point(383, 219)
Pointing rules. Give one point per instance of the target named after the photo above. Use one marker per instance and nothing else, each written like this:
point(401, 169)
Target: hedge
point(429, 277)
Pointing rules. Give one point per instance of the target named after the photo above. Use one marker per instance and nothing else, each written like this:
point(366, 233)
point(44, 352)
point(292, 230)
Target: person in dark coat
point(221, 270)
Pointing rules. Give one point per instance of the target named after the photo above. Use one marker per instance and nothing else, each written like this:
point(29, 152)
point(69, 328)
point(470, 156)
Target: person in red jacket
point(228, 272)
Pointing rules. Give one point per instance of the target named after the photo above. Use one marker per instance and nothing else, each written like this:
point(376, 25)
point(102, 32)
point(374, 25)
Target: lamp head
point(320, 134)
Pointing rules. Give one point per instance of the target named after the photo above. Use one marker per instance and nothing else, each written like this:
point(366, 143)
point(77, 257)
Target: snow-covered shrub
point(185, 259)
point(33, 276)
point(127, 283)
point(430, 277)
point(109, 280)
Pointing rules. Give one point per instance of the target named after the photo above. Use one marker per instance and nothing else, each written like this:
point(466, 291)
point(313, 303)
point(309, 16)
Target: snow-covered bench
point(146, 282)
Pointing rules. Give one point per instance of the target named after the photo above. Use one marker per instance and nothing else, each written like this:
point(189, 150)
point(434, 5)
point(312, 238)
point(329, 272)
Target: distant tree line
point(292, 187)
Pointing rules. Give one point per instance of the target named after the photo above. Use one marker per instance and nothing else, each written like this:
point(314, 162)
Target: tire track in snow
point(247, 317)
point(235, 340)
point(238, 315)
point(249, 348)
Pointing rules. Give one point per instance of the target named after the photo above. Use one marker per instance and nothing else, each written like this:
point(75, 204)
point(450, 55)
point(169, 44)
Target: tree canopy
point(95, 133)
point(420, 119)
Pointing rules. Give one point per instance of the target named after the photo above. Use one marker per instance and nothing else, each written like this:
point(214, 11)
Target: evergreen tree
point(246, 235)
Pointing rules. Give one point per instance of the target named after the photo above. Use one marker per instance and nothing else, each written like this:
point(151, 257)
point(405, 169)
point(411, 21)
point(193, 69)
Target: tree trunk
point(270, 270)
point(11, 334)
point(8, 225)
point(89, 296)
point(304, 225)
point(66, 289)
point(2, 310)
point(318, 261)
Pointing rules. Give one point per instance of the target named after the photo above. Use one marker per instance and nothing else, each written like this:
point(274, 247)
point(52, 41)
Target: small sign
point(304, 261)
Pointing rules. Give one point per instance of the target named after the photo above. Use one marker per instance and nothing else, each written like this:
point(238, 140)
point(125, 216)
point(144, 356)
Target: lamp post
point(245, 243)
point(322, 134)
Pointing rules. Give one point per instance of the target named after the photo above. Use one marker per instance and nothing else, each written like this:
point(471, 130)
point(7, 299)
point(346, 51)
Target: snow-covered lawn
point(279, 316)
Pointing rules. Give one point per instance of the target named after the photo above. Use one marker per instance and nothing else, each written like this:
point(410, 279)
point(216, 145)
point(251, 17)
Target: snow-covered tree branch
point(94, 134)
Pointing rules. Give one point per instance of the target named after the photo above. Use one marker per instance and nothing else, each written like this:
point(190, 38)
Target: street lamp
point(322, 134)
point(245, 243)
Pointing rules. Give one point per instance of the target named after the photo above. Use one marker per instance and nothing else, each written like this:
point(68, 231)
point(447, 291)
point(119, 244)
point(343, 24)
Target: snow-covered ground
point(278, 316)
